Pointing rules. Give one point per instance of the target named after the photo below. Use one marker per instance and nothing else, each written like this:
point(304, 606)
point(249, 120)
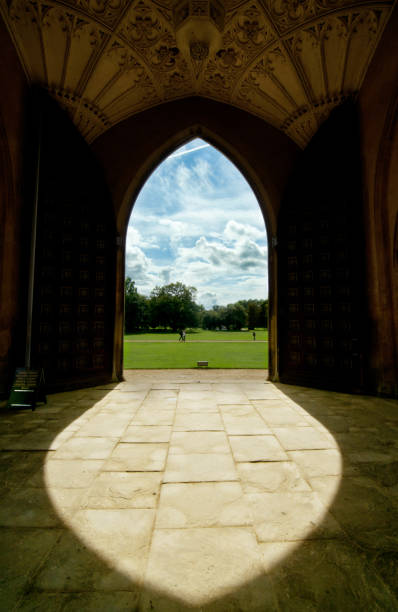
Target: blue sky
point(197, 221)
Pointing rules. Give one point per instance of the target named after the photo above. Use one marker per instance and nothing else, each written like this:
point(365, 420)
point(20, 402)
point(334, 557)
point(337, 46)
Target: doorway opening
point(196, 267)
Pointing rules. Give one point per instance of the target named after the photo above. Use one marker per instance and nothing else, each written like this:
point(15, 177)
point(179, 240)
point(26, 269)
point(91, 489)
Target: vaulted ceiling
point(288, 61)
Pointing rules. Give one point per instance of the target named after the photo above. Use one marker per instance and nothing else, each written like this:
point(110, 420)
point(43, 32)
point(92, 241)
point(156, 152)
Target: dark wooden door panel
point(74, 297)
point(322, 312)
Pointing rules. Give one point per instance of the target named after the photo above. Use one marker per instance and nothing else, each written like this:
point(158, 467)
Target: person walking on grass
point(254, 336)
point(181, 338)
point(183, 335)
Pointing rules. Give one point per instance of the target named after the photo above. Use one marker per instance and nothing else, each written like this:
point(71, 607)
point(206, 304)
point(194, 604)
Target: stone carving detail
point(266, 66)
point(254, 86)
point(221, 72)
point(369, 21)
point(143, 27)
point(86, 115)
point(177, 85)
point(164, 57)
point(288, 12)
point(122, 57)
point(106, 11)
point(287, 61)
point(199, 50)
point(23, 13)
point(251, 30)
point(84, 30)
point(218, 83)
point(229, 58)
point(58, 17)
point(302, 129)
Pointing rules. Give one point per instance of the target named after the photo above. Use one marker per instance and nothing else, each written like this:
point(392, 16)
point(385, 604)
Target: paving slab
point(116, 601)
point(70, 473)
point(302, 438)
point(251, 425)
point(198, 422)
point(101, 425)
point(125, 537)
point(291, 515)
point(313, 463)
point(198, 565)
point(124, 490)
point(147, 433)
point(154, 417)
point(277, 414)
point(131, 457)
point(213, 504)
point(200, 467)
point(22, 552)
point(327, 575)
point(186, 442)
point(31, 507)
point(42, 601)
point(188, 405)
point(271, 476)
point(257, 448)
point(83, 447)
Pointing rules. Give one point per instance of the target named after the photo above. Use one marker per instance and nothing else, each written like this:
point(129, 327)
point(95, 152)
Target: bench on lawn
point(202, 363)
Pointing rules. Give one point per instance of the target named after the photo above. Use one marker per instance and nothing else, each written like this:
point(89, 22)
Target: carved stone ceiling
point(287, 61)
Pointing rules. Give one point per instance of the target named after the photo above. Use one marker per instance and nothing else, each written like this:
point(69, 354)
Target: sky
point(197, 221)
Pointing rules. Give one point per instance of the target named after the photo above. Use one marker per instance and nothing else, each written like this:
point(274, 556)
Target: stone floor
point(200, 490)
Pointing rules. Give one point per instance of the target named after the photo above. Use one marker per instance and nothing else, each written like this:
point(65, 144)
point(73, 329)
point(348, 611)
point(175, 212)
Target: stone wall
point(378, 102)
point(14, 218)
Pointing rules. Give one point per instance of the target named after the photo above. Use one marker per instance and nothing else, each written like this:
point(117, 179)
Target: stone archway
point(131, 150)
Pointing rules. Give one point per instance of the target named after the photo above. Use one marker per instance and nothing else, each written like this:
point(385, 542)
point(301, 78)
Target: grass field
point(197, 335)
point(221, 349)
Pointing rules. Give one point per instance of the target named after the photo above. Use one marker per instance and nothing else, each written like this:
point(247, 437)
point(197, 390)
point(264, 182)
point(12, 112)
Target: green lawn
point(220, 349)
point(197, 335)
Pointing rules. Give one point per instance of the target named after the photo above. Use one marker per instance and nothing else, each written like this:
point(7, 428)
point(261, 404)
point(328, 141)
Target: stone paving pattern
point(200, 490)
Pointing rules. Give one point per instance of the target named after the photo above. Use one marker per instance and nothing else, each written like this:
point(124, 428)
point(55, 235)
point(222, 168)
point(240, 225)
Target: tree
point(211, 319)
point(136, 310)
point(252, 314)
point(263, 314)
point(257, 312)
point(200, 314)
point(174, 306)
point(234, 316)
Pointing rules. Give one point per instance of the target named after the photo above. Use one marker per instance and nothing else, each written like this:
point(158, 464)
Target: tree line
point(173, 306)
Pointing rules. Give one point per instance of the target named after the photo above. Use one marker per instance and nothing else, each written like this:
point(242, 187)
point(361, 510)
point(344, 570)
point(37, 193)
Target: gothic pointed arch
point(131, 151)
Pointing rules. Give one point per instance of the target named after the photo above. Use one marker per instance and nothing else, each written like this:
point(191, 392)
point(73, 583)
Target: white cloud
point(137, 264)
point(186, 151)
point(239, 231)
point(208, 299)
point(176, 230)
point(197, 221)
point(165, 276)
point(243, 254)
point(135, 238)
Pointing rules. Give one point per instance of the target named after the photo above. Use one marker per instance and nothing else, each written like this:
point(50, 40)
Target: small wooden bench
point(202, 363)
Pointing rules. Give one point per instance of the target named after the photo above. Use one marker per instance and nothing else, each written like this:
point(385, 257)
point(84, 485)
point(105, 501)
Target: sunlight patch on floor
point(192, 491)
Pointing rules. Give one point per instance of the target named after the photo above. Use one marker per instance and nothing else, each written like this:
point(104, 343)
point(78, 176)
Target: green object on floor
point(27, 388)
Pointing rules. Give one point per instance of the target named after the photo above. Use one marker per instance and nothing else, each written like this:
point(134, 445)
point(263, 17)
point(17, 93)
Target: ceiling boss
point(198, 30)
